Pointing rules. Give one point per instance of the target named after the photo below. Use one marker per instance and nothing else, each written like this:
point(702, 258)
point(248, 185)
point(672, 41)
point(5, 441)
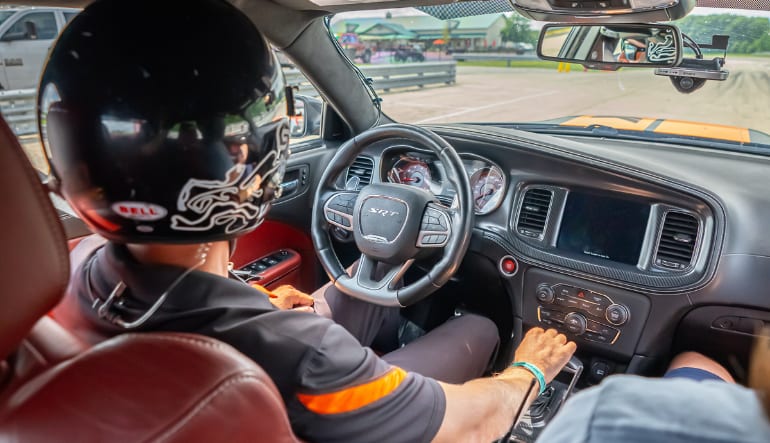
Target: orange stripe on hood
point(704, 130)
point(354, 397)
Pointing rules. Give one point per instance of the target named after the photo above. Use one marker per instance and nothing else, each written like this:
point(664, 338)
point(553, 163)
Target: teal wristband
point(535, 371)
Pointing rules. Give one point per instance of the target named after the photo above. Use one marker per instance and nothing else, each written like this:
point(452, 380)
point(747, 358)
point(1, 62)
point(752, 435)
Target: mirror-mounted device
point(692, 73)
point(609, 47)
point(604, 11)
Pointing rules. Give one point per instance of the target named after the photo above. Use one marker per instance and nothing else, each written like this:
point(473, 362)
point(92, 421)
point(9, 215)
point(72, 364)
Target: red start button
point(508, 265)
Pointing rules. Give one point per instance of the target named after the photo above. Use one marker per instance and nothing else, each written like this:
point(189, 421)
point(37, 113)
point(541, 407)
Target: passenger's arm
point(483, 409)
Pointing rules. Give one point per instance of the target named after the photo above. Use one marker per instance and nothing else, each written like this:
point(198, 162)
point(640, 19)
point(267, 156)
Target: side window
point(69, 16)
point(44, 22)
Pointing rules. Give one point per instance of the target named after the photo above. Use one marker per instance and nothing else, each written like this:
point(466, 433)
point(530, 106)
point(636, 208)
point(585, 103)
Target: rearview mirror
point(612, 47)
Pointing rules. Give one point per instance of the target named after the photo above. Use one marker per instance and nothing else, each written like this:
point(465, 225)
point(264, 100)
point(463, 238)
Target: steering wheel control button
point(545, 294)
point(575, 323)
point(338, 210)
point(434, 229)
point(617, 314)
point(343, 202)
point(508, 266)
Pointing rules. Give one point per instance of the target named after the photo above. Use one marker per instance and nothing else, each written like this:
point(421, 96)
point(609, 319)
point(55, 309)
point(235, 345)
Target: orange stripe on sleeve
point(354, 397)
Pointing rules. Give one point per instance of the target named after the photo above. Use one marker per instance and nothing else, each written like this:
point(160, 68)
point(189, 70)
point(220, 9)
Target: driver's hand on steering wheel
point(548, 350)
point(288, 297)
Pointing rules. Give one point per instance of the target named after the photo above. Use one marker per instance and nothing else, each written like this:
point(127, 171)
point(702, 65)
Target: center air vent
point(677, 242)
point(360, 171)
point(534, 212)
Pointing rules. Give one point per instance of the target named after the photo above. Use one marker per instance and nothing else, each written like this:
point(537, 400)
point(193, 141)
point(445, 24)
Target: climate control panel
point(584, 311)
point(579, 311)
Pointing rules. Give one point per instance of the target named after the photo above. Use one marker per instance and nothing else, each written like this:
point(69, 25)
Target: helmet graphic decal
point(226, 202)
point(661, 52)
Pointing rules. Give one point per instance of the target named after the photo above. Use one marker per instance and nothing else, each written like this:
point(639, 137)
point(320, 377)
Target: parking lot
point(521, 94)
point(529, 94)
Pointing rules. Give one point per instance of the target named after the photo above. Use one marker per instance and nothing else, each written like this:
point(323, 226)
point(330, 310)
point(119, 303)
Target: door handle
point(289, 187)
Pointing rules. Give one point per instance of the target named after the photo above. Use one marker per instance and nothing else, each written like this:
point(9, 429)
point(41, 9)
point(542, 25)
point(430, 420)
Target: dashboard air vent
point(534, 212)
point(361, 169)
point(676, 245)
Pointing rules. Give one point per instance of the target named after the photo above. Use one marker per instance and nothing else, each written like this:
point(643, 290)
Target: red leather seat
point(135, 387)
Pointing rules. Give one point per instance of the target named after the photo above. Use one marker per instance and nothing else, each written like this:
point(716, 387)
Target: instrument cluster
point(424, 170)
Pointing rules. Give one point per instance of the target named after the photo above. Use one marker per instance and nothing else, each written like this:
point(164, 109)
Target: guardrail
point(493, 56)
point(387, 77)
point(18, 108)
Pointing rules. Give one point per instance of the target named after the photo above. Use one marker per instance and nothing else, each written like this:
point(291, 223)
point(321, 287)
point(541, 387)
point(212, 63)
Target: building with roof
point(465, 33)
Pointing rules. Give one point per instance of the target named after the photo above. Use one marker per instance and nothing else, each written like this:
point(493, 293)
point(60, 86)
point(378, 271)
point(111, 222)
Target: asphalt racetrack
point(491, 94)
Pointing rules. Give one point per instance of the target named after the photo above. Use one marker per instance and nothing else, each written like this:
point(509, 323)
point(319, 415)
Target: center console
point(595, 316)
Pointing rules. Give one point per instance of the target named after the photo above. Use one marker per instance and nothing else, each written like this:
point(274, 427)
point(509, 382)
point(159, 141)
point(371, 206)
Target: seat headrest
point(34, 260)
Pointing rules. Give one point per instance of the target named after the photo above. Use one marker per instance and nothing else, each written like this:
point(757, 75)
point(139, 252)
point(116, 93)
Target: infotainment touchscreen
point(603, 227)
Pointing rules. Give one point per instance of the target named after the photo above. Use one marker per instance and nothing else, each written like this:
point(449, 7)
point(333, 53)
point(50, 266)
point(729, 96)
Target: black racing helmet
point(165, 121)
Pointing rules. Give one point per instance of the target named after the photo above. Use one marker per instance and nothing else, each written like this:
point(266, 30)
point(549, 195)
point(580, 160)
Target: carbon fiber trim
point(627, 279)
point(761, 5)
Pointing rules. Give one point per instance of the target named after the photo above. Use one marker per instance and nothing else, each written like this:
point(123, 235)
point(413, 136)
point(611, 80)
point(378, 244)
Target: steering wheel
point(392, 223)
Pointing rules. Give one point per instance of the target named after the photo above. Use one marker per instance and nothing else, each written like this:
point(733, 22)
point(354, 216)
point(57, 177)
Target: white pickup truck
point(26, 35)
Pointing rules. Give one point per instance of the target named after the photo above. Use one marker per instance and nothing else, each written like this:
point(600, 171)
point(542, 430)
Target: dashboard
point(621, 245)
point(639, 235)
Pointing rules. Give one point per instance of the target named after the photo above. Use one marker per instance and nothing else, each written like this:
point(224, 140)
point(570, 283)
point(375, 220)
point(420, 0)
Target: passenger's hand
point(548, 350)
point(289, 297)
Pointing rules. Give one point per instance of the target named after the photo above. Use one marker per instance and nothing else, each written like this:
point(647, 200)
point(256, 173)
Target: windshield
point(485, 69)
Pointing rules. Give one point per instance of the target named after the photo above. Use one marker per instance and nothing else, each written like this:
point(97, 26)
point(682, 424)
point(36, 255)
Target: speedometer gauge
point(411, 171)
point(488, 185)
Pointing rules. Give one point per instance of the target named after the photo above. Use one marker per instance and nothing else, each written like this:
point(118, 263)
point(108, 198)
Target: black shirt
point(334, 389)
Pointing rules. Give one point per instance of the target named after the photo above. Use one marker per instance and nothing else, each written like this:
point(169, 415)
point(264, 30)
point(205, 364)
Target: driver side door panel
point(287, 227)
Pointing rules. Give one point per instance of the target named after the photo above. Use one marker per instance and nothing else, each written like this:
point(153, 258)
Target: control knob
point(544, 293)
point(575, 323)
point(616, 314)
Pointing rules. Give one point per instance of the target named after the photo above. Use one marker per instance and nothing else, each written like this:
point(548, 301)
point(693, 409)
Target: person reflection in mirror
point(239, 152)
point(632, 51)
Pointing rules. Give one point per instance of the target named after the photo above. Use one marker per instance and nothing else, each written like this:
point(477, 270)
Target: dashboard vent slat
point(361, 168)
point(677, 242)
point(534, 212)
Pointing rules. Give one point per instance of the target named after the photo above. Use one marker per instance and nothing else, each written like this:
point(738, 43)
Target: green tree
point(747, 34)
point(517, 29)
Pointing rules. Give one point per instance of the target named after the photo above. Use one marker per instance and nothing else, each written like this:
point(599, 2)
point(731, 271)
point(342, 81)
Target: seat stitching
point(198, 341)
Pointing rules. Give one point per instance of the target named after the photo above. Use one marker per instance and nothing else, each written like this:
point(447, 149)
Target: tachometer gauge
point(488, 185)
point(410, 171)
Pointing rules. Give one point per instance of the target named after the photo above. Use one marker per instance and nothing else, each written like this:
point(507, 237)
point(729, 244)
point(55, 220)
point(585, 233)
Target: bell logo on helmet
point(139, 210)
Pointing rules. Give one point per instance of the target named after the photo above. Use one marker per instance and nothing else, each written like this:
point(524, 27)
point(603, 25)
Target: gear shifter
point(575, 367)
point(547, 404)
